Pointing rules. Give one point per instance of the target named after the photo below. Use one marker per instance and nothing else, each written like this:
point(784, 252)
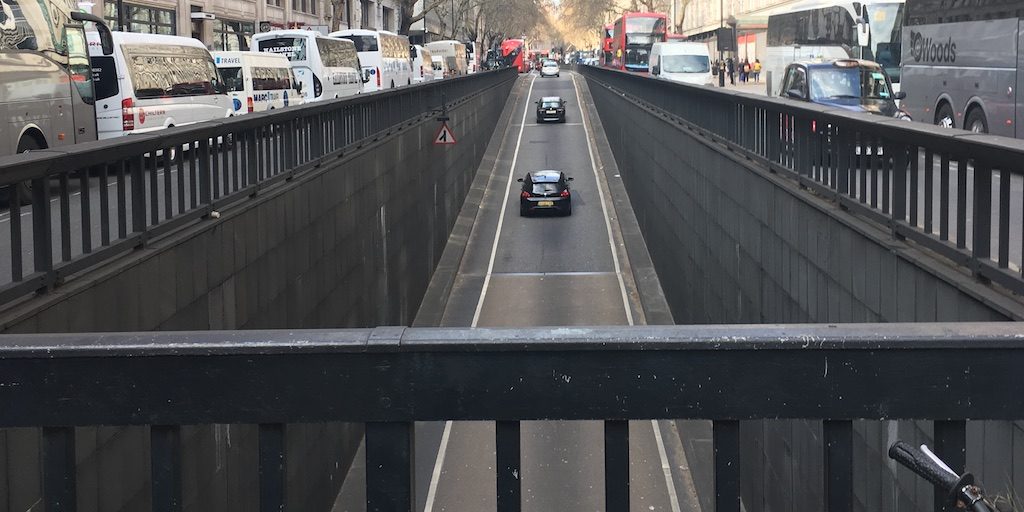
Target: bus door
point(304, 75)
point(79, 68)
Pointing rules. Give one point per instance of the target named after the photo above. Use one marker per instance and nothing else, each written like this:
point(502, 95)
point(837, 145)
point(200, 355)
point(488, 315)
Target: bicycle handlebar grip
point(919, 463)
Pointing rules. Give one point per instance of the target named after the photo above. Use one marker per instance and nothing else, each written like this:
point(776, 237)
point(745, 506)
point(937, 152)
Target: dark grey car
point(545, 191)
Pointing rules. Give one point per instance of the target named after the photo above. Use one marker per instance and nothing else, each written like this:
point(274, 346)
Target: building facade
point(229, 24)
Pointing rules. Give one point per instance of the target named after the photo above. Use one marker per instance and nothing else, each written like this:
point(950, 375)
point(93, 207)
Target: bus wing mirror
point(900, 95)
point(863, 34)
point(106, 40)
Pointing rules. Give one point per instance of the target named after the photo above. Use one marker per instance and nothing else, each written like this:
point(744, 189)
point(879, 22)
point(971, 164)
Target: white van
point(454, 54)
point(152, 82)
point(384, 56)
point(258, 82)
point(422, 65)
point(328, 68)
point(681, 61)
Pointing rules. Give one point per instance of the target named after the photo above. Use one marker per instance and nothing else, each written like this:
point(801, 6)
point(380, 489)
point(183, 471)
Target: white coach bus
point(328, 68)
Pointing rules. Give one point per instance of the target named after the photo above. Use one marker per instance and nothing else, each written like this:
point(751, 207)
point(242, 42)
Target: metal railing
point(393, 376)
point(75, 207)
point(956, 193)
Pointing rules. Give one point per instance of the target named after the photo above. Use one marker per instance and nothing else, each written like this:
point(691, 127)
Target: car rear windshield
point(545, 188)
point(551, 104)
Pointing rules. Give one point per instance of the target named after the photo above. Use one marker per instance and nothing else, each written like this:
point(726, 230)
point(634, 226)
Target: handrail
point(949, 191)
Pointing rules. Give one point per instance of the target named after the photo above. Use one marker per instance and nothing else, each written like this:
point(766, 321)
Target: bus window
point(234, 79)
point(104, 72)
point(364, 43)
point(292, 47)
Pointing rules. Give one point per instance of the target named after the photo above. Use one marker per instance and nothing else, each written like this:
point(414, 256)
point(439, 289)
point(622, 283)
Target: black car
point(849, 84)
point(551, 108)
point(545, 191)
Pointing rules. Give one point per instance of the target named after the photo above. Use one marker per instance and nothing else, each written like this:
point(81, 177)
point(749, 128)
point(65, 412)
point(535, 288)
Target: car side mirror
point(520, 180)
point(298, 87)
point(900, 95)
point(656, 70)
point(569, 179)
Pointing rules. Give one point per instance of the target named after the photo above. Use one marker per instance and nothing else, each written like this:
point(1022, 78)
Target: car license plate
point(551, 112)
point(545, 203)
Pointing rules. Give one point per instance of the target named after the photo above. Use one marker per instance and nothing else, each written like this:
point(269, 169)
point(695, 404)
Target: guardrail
point(91, 202)
point(953, 192)
point(390, 377)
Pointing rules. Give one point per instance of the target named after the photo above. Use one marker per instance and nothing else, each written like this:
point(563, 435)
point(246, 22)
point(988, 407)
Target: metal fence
point(76, 207)
point(957, 193)
point(390, 377)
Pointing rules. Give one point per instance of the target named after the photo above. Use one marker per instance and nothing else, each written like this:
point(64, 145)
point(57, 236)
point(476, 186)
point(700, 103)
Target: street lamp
point(721, 54)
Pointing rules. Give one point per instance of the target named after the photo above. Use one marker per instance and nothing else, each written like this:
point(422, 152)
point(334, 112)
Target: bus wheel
point(944, 116)
point(976, 121)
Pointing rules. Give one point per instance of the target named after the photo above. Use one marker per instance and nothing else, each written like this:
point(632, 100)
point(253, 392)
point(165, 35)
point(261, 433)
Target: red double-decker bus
point(606, 44)
point(633, 35)
point(513, 50)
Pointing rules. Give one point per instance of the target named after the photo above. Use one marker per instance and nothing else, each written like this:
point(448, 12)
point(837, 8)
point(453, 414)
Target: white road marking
point(665, 466)
point(435, 477)
point(443, 448)
point(504, 207)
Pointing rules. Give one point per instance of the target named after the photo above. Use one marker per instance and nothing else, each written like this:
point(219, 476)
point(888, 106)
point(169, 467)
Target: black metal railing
point(75, 207)
point(954, 192)
point(391, 377)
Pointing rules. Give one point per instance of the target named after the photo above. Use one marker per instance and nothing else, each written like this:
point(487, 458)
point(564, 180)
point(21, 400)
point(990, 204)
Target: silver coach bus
point(47, 97)
point(961, 66)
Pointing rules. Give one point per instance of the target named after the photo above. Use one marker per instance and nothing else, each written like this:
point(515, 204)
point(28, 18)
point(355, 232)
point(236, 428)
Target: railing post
point(205, 172)
point(389, 466)
point(272, 467)
point(510, 476)
point(899, 185)
point(165, 467)
point(982, 212)
point(616, 465)
point(42, 241)
point(726, 434)
point(838, 465)
point(951, 447)
point(138, 193)
point(59, 469)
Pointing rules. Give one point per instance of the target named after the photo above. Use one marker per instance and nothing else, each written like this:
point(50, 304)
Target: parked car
point(551, 108)
point(258, 82)
point(849, 84)
point(545, 191)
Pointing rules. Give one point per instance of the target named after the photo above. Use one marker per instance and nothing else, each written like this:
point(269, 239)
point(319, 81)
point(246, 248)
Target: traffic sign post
point(444, 134)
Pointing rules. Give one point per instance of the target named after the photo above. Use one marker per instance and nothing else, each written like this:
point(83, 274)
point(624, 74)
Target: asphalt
point(546, 271)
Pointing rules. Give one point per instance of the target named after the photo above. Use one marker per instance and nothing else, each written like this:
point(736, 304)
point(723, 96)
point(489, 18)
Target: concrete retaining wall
point(733, 243)
point(352, 244)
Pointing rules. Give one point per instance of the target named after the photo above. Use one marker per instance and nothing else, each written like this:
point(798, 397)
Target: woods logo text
point(928, 50)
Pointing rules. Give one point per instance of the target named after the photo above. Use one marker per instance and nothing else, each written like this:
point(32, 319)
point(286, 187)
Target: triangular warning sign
point(444, 135)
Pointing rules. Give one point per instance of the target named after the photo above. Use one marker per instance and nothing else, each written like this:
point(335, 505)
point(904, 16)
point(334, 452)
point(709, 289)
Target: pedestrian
point(746, 70)
point(757, 70)
point(714, 70)
point(730, 69)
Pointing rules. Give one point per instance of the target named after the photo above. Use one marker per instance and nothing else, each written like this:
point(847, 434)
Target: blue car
point(850, 84)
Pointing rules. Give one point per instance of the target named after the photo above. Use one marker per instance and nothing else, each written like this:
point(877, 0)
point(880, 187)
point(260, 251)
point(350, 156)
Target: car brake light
point(565, 193)
point(127, 114)
point(524, 194)
point(378, 78)
point(249, 104)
